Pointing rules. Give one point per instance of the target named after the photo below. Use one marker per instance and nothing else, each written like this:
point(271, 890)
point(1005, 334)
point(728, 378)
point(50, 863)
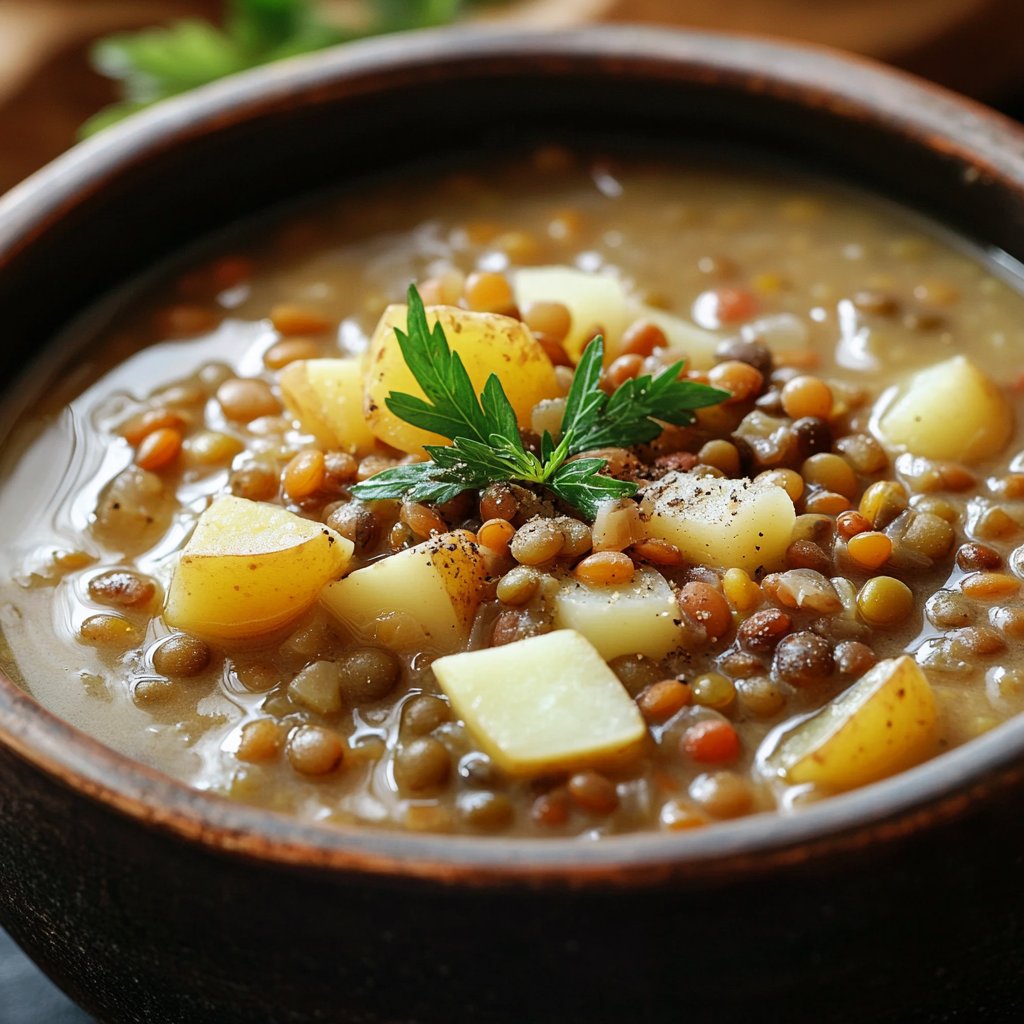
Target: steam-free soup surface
point(803, 302)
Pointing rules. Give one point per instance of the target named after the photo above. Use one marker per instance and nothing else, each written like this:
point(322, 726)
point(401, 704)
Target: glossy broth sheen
point(871, 292)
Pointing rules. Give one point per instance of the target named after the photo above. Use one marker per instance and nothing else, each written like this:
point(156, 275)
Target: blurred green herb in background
point(156, 63)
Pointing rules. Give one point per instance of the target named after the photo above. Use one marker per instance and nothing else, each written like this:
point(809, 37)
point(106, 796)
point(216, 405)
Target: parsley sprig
point(486, 446)
point(156, 63)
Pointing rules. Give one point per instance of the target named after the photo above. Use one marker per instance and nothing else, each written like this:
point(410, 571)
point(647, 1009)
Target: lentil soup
point(815, 584)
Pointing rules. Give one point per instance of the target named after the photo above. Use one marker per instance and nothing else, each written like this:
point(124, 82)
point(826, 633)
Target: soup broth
point(821, 313)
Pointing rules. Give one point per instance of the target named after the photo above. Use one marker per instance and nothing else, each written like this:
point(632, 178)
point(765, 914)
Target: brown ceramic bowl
point(148, 901)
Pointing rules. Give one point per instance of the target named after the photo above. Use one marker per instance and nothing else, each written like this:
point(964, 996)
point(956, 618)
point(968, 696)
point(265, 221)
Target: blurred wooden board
point(47, 88)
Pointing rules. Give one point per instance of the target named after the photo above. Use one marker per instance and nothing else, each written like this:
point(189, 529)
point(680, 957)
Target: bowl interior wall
point(217, 174)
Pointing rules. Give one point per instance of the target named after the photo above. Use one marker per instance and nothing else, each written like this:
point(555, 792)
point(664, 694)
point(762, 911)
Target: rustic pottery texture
point(47, 89)
point(149, 902)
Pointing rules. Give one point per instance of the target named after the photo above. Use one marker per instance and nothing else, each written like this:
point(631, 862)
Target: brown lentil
point(159, 449)
point(314, 750)
point(803, 659)
point(853, 658)
point(740, 590)
point(551, 809)
point(722, 794)
point(498, 502)
point(641, 338)
point(882, 502)
point(537, 542)
point(593, 792)
point(763, 630)
point(989, 586)
point(552, 320)
point(212, 448)
point(863, 453)
point(290, 350)
point(972, 557)
point(707, 607)
point(805, 554)
point(422, 765)
point(260, 741)
point(486, 811)
point(869, 550)
point(713, 690)
point(759, 696)
point(663, 699)
point(488, 292)
point(806, 396)
point(741, 380)
point(657, 552)
point(367, 674)
point(108, 631)
point(421, 519)
point(885, 601)
point(722, 455)
point(850, 523)
point(291, 320)
point(605, 569)
point(304, 475)
point(423, 714)
point(122, 589)
point(139, 427)
point(788, 479)
point(257, 483)
point(624, 368)
point(246, 399)
point(181, 656)
point(357, 523)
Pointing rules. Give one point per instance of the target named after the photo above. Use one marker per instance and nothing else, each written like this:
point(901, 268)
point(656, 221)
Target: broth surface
point(852, 291)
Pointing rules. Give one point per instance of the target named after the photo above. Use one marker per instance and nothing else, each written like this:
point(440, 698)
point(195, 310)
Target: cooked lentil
point(891, 551)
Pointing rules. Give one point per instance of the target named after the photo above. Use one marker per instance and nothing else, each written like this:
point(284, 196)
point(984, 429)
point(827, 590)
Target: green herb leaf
point(422, 481)
point(632, 413)
point(579, 483)
point(158, 63)
point(486, 444)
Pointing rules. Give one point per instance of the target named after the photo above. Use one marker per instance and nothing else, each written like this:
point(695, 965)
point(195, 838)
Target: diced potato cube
point(250, 568)
point(437, 584)
point(487, 343)
point(599, 302)
point(543, 704)
point(727, 524)
point(596, 302)
point(326, 397)
point(948, 411)
point(884, 723)
point(639, 617)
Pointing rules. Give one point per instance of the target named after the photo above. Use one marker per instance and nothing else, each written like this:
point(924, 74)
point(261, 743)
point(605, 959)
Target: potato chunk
point(326, 397)
point(948, 411)
point(639, 617)
point(597, 303)
point(543, 704)
point(884, 723)
point(487, 343)
point(600, 303)
point(727, 524)
point(250, 568)
point(435, 585)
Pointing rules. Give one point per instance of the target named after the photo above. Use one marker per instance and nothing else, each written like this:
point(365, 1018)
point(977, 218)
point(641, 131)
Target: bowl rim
point(988, 146)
